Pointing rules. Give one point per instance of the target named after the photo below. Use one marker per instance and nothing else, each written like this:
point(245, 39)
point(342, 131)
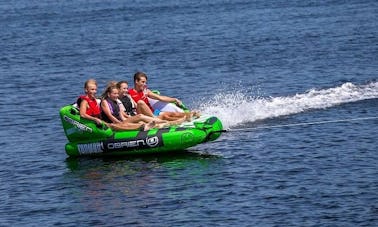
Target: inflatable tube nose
point(213, 127)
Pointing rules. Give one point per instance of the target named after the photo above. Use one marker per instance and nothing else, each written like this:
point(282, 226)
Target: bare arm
point(163, 98)
point(83, 112)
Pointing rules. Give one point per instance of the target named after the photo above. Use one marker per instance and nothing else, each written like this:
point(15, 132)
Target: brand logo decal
point(153, 141)
point(90, 148)
point(138, 143)
point(78, 125)
point(187, 137)
point(123, 145)
point(109, 146)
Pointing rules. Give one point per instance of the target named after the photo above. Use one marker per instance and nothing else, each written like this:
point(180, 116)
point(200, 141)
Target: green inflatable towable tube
point(87, 138)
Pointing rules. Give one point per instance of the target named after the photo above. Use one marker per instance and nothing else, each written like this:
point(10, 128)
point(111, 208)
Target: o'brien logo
point(77, 124)
point(140, 143)
point(120, 145)
point(153, 141)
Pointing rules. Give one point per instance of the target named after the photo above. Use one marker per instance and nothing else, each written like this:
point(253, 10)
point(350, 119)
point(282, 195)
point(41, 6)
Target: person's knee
point(164, 114)
point(141, 103)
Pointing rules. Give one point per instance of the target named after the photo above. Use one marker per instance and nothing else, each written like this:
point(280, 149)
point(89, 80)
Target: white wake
point(238, 108)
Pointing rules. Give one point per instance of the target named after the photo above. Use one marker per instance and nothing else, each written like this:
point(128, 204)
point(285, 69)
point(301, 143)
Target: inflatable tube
point(87, 138)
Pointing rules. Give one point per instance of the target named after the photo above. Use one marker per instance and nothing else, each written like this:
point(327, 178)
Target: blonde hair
point(109, 86)
point(90, 81)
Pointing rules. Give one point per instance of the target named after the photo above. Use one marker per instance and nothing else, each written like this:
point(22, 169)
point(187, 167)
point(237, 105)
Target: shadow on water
point(133, 174)
point(135, 183)
point(172, 159)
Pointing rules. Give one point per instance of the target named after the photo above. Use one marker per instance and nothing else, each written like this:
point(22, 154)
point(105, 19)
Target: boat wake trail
point(237, 108)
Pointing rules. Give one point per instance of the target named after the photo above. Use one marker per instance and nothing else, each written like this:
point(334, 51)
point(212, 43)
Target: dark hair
point(121, 82)
point(139, 75)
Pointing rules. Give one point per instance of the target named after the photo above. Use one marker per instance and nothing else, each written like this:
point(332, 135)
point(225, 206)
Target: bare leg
point(146, 118)
point(142, 108)
point(188, 116)
point(163, 125)
point(185, 117)
point(178, 121)
point(125, 126)
point(171, 116)
point(150, 125)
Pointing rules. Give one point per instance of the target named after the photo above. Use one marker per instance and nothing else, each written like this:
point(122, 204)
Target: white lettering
point(95, 148)
point(126, 144)
point(90, 148)
point(78, 125)
point(151, 142)
point(71, 130)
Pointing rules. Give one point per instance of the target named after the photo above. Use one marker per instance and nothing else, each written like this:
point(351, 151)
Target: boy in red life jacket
point(140, 95)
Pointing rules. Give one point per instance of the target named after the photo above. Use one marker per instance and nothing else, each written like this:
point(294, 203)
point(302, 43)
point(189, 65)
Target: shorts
point(157, 112)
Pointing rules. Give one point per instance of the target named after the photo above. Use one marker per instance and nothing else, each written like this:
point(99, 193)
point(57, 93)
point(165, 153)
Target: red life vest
point(140, 96)
point(94, 109)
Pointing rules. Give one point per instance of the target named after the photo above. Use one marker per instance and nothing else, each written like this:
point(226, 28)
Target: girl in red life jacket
point(89, 108)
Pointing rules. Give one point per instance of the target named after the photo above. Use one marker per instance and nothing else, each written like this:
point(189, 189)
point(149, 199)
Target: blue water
point(294, 82)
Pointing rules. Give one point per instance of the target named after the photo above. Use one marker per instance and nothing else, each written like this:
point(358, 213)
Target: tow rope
point(300, 124)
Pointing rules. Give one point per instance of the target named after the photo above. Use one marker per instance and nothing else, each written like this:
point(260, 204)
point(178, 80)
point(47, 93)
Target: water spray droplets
point(237, 107)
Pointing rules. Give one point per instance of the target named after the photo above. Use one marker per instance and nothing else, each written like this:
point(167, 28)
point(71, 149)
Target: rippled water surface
point(294, 82)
